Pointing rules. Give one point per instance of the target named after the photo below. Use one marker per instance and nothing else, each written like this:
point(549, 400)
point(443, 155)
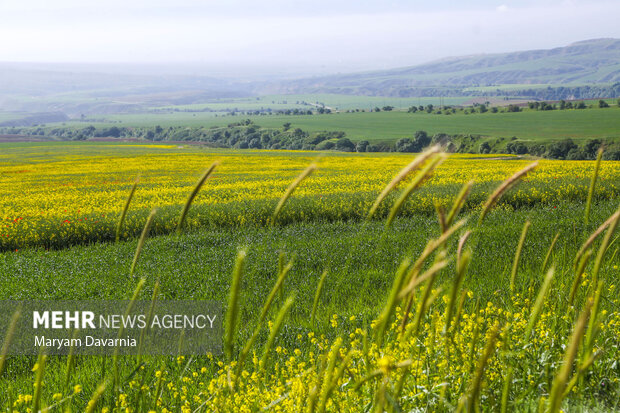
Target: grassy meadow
point(441, 301)
point(528, 125)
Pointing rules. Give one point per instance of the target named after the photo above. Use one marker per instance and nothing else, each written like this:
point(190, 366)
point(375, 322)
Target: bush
point(345, 144)
point(362, 146)
point(559, 150)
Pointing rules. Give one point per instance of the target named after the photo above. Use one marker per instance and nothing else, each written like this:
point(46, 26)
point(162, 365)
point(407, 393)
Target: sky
point(317, 36)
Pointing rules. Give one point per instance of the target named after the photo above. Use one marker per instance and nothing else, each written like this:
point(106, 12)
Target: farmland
point(60, 206)
point(528, 126)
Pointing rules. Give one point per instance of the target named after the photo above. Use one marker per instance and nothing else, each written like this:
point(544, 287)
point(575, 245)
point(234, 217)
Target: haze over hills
point(585, 69)
point(587, 62)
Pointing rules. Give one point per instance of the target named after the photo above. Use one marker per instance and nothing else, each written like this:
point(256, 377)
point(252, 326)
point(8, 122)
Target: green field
point(390, 126)
point(516, 312)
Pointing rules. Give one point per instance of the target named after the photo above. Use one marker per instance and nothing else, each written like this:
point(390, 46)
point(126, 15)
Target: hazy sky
point(325, 35)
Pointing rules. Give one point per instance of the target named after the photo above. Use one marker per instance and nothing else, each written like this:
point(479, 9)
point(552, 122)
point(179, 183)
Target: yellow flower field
point(67, 192)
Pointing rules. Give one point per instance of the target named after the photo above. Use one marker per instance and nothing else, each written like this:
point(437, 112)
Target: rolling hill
point(582, 63)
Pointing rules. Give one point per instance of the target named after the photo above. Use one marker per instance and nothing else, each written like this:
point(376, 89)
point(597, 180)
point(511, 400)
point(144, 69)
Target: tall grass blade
point(470, 400)
point(233, 305)
point(549, 251)
point(149, 317)
point(597, 166)
point(384, 317)
point(505, 186)
point(275, 329)
point(9, 337)
point(90, 407)
point(141, 241)
point(459, 202)
point(121, 219)
point(289, 191)
point(419, 160)
point(38, 383)
point(598, 261)
point(578, 273)
point(70, 361)
point(461, 270)
point(317, 296)
point(515, 263)
point(193, 194)
point(284, 270)
point(559, 382)
point(418, 180)
point(594, 235)
point(130, 305)
point(538, 304)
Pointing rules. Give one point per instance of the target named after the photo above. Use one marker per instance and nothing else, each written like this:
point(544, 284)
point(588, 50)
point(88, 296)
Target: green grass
point(198, 265)
point(390, 126)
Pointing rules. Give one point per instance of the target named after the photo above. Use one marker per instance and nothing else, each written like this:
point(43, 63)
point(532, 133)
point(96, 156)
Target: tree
point(388, 108)
point(404, 145)
point(559, 150)
point(362, 146)
point(345, 144)
point(413, 109)
point(421, 140)
point(484, 147)
point(602, 104)
point(287, 126)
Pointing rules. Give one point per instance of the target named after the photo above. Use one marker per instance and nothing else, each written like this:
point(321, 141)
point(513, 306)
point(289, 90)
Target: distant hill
point(582, 63)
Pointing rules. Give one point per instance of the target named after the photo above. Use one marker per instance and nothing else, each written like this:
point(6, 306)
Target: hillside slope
point(586, 62)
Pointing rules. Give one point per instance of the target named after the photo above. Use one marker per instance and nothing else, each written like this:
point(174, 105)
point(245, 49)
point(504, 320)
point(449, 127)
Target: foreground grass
point(341, 363)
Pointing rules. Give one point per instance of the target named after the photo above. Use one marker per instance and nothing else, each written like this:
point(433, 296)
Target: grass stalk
point(233, 305)
point(289, 191)
point(595, 234)
point(38, 383)
point(92, 404)
point(598, 261)
point(388, 310)
point(70, 362)
point(470, 400)
point(275, 329)
point(193, 194)
point(515, 263)
point(459, 202)
point(559, 382)
point(538, 304)
point(317, 296)
point(121, 219)
point(597, 166)
point(148, 321)
point(419, 160)
point(8, 337)
point(578, 273)
point(505, 186)
point(115, 360)
point(461, 270)
point(284, 270)
point(549, 251)
point(418, 180)
point(142, 240)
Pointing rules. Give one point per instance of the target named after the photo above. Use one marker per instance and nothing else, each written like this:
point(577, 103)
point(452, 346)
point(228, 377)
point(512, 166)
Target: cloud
point(359, 39)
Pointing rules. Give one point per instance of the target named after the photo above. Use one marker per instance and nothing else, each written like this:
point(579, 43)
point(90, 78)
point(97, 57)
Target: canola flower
point(435, 369)
point(531, 353)
point(59, 196)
